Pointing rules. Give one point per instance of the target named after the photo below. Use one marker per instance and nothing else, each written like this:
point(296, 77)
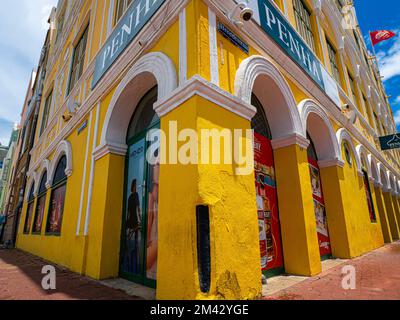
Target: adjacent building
point(6, 178)
point(297, 72)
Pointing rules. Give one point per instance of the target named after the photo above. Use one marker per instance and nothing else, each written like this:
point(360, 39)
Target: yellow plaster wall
point(235, 252)
point(364, 236)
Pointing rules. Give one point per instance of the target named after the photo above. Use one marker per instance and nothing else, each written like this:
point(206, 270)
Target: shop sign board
point(275, 25)
point(136, 17)
point(390, 142)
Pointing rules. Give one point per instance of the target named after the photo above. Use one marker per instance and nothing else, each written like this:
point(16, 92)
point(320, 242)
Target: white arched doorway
point(260, 83)
point(129, 119)
point(322, 152)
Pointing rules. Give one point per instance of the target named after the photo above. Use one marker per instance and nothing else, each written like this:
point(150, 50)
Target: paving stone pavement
point(21, 278)
point(377, 278)
point(377, 275)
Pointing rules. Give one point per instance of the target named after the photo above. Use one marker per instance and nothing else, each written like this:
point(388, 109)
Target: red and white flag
point(381, 35)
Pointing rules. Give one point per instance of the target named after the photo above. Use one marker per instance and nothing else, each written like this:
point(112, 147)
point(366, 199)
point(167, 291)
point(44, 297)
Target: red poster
point(320, 212)
point(267, 205)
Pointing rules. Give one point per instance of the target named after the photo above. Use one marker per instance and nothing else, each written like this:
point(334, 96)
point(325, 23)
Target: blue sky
point(22, 35)
point(21, 38)
point(377, 15)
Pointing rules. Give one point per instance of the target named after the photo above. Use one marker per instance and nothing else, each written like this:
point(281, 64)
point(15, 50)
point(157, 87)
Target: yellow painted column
point(296, 210)
point(381, 207)
point(335, 211)
point(231, 199)
point(104, 233)
point(391, 215)
point(396, 210)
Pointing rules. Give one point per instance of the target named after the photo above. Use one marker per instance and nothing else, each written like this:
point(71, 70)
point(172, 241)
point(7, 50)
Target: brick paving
point(21, 278)
point(378, 278)
point(377, 273)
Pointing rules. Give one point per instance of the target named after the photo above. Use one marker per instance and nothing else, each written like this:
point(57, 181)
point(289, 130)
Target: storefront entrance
point(267, 198)
point(319, 204)
point(139, 241)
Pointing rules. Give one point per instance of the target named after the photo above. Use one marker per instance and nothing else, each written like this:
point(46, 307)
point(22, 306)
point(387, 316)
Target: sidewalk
point(378, 277)
point(377, 274)
point(21, 278)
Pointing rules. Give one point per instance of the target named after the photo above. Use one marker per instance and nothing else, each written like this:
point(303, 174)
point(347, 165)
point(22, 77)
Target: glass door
point(139, 243)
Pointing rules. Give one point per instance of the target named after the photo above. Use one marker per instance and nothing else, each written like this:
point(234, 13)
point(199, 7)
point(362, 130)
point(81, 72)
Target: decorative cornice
point(331, 163)
point(105, 149)
point(201, 87)
point(290, 140)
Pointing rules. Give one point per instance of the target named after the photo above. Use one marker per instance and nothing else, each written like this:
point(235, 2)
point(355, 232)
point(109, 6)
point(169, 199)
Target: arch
point(316, 122)
point(392, 181)
point(342, 135)
point(44, 167)
point(384, 177)
point(253, 75)
point(363, 155)
point(32, 182)
point(373, 164)
point(152, 69)
point(63, 148)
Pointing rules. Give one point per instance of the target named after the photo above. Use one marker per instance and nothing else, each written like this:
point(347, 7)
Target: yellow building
point(292, 70)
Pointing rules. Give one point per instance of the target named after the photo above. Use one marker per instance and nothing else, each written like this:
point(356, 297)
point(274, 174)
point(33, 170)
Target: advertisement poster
point(267, 205)
point(140, 247)
point(37, 227)
point(57, 208)
point(371, 210)
point(152, 222)
point(132, 255)
point(320, 212)
point(29, 213)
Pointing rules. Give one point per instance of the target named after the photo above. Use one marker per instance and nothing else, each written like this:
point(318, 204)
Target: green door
point(139, 243)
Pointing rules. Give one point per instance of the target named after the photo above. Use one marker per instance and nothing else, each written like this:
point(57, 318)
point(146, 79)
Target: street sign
point(390, 142)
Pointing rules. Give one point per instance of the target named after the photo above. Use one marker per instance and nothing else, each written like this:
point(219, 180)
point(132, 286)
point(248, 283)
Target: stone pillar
point(335, 210)
point(104, 234)
point(296, 207)
point(391, 215)
point(383, 216)
point(231, 199)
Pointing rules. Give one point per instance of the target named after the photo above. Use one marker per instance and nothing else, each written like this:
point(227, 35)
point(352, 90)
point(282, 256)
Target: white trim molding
point(32, 182)
point(63, 148)
point(182, 47)
point(212, 29)
point(342, 135)
point(292, 139)
point(373, 164)
point(246, 76)
point(152, 69)
point(383, 172)
point(321, 132)
point(201, 87)
point(362, 153)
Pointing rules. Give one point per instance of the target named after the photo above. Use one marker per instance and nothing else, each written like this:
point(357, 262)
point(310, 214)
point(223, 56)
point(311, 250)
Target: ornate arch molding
point(342, 135)
point(253, 67)
point(152, 69)
point(373, 164)
point(329, 152)
point(392, 182)
point(362, 153)
point(383, 173)
point(32, 182)
point(63, 148)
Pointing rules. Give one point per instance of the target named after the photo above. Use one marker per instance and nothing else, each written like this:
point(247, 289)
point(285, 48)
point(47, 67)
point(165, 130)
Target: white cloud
point(397, 118)
point(389, 61)
point(23, 26)
point(397, 100)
